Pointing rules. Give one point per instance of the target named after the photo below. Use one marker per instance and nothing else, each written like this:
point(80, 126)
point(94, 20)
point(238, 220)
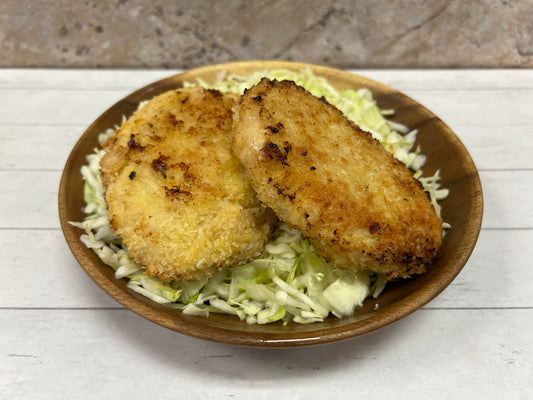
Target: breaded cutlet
point(176, 194)
point(320, 173)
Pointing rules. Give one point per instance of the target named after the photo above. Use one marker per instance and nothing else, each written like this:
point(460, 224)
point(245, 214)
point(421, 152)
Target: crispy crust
point(176, 194)
point(361, 208)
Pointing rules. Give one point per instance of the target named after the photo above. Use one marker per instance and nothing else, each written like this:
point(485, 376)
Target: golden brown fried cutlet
point(176, 194)
point(360, 207)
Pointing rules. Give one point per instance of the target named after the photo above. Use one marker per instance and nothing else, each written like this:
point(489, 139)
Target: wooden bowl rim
point(213, 328)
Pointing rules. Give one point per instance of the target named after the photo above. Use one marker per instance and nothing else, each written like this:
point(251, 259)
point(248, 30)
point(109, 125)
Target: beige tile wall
point(349, 34)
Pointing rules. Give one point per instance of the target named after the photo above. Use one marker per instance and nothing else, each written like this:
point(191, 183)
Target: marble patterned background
point(346, 34)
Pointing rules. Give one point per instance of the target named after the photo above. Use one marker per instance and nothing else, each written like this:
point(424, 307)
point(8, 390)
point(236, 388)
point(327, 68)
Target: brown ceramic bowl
point(462, 209)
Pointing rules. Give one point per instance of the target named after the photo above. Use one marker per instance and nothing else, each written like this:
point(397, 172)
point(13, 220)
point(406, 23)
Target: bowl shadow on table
point(199, 357)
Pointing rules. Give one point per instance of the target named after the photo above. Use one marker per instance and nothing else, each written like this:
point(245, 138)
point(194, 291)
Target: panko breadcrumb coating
point(360, 207)
point(178, 197)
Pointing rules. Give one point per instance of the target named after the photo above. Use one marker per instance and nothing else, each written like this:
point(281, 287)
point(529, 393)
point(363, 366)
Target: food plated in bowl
point(462, 210)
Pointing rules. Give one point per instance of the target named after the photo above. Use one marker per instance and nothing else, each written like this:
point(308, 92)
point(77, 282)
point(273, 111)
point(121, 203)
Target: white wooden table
point(61, 337)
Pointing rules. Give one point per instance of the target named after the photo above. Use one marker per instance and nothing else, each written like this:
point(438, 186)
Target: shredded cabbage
point(289, 281)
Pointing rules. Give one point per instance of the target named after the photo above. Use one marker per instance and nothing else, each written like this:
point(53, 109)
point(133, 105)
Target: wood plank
point(29, 198)
point(81, 79)
point(115, 353)
point(498, 273)
point(400, 79)
point(487, 145)
point(31, 147)
point(498, 147)
point(56, 107)
point(47, 275)
point(479, 107)
point(506, 197)
point(451, 79)
point(51, 124)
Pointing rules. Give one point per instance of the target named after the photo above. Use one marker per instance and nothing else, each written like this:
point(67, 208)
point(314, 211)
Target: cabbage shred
point(289, 281)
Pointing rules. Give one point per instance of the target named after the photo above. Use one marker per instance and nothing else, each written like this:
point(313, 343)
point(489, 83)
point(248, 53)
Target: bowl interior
point(462, 209)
